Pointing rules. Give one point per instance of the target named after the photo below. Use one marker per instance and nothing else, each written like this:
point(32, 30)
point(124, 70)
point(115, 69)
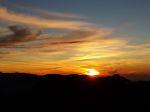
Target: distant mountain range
point(54, 92)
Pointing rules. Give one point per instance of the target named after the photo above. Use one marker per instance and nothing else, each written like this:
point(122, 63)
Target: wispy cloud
point(53, 15)
point(44, 13)
point(8, 15)
point(140, 47)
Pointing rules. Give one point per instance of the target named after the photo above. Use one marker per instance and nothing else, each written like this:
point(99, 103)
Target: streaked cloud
point(18, 35)
point(44, 13)
point(9, 15)
point(53, 15)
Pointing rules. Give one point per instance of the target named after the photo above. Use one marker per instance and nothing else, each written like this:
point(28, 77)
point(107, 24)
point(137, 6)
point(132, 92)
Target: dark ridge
point(54, 92)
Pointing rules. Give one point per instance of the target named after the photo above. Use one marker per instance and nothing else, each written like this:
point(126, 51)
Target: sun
point(92, 72)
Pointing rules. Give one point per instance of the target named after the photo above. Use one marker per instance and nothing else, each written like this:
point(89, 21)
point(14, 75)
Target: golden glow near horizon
point(65, 44)
point(91, 72)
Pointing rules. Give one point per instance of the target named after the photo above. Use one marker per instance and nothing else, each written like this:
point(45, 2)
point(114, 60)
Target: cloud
point(79, 31)
point(63, 43)
point(4, 53)
point(136, 47)
point(41, 12)
point(19, 35)
point(68, 39)
point(144, 46)
point(8, 15)
point(52, 15)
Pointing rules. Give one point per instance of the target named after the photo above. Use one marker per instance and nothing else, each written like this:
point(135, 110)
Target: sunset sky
point(68, 36)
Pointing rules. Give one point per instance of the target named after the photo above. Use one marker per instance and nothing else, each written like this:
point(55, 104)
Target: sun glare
point(92, 72)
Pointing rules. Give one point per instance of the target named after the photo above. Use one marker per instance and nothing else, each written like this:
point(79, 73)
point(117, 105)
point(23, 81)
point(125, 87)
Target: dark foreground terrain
point(73, 93)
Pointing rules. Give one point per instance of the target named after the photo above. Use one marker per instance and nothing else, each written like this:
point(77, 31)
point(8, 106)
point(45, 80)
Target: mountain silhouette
point(54, 92)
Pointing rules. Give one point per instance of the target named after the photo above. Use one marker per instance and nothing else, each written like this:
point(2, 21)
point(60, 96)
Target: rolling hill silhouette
point(54, 92)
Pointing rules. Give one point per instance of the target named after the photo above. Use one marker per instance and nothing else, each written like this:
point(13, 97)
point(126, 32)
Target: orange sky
point(66, 44)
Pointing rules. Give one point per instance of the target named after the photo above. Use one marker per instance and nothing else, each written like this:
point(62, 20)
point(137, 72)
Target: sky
point(69, 36)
